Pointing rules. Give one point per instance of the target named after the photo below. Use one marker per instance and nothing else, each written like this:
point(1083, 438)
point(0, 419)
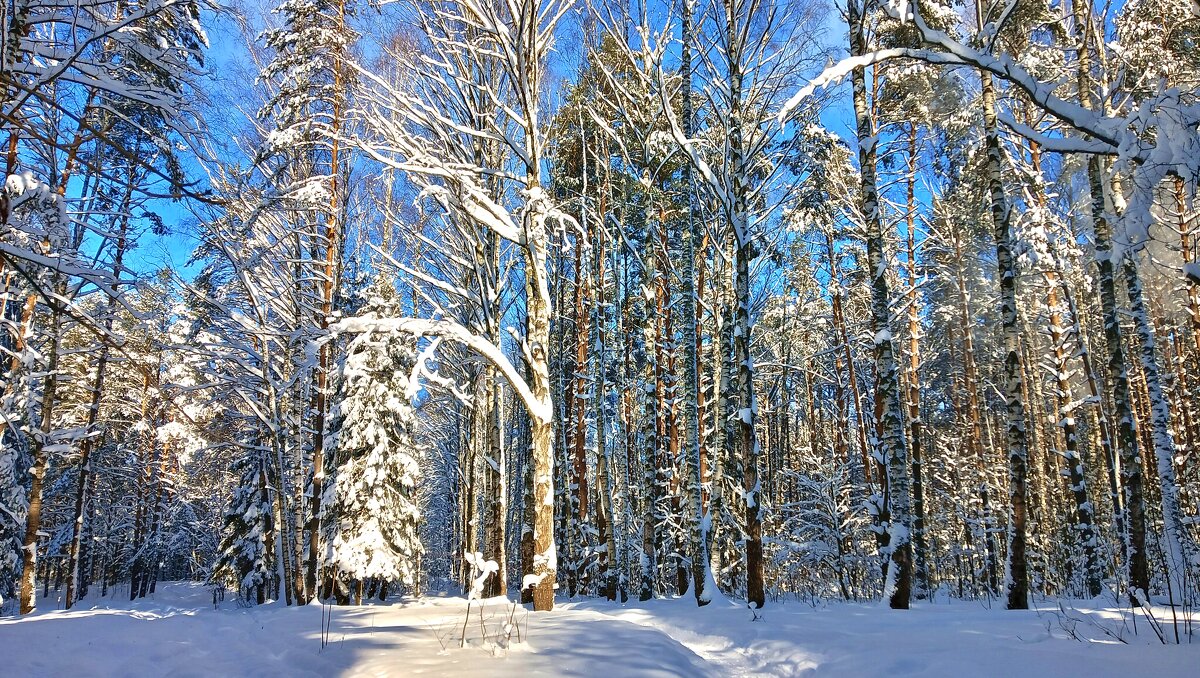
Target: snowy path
point(180, 634)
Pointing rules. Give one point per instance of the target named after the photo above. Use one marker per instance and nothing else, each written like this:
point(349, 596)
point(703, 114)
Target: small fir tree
point(245, 551)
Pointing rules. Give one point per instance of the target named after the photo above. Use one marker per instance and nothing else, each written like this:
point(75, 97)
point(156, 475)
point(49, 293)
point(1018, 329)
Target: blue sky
point(230, 73)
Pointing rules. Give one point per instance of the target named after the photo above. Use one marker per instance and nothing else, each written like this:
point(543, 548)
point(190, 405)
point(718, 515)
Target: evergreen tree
point(372, 519)
point(306, 164)
point(14, 464)
point(246, 549)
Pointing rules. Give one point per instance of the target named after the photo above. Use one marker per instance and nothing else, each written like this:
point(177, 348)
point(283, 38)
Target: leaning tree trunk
point(1060, 357)
point(846, 353)
point(1103, 428)
point(1178, 550)
point(93, 412)
point(1085, 519)
point(40, 454)
point(1136, 564)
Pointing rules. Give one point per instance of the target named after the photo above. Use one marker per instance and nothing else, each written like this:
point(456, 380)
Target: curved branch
point(448, 329)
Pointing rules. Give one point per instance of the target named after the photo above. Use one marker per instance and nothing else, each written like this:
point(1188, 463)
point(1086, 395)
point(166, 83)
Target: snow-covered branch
point(448, 329)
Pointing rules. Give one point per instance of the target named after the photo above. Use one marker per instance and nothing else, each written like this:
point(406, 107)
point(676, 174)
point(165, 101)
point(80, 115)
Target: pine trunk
point(93, 412)
point(41, 464)
point(915, 426)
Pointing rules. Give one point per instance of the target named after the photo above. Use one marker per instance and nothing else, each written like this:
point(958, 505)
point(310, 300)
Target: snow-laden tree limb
point(1159, 138)
point(448, 329)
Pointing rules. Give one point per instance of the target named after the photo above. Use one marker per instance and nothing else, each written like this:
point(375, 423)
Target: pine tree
point(309, 163)
point(14, 465)
point(14, 452)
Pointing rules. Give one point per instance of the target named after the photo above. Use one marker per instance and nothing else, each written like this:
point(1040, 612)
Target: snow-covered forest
point(755, 306)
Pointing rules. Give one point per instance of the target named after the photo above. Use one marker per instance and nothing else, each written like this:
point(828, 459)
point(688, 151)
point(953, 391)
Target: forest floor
point(178, 632)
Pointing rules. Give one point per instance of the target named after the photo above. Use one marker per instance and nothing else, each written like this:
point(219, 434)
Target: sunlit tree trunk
point(915, 425)
point(1015, 437)
point(40, 449)
point(890, 423)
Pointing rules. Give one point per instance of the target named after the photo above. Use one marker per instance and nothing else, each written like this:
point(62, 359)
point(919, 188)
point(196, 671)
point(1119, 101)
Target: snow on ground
point(179, 633)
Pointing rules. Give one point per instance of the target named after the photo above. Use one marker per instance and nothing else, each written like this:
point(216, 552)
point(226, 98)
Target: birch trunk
point(537, 343)
point(890, 424)
point(1177, 549)
point(744, 252)
point(1015, 434)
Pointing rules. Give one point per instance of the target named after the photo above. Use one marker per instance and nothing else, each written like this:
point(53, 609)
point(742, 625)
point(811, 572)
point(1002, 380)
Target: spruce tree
point(246, 548)
point(372, 516)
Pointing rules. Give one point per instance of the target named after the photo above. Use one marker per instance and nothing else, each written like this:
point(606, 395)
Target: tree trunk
point(975, 441)
point(744, 253)
point(332, 243)
point(577, 546)
point(528, 516)
point(1178, 549)
point(915, 426)
point(93, 412)
point(1137, 567)
point(890, 423)
point(1060, 357)
point(1015, 437)
point(41, 463)
point(605, 487)
point(497, 498)
point(537, 338)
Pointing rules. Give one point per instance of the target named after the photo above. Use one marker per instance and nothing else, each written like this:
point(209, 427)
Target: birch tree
point(417, 129)
point(755, 55)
